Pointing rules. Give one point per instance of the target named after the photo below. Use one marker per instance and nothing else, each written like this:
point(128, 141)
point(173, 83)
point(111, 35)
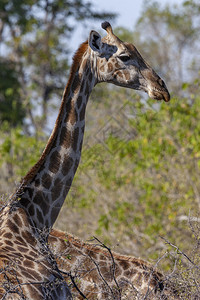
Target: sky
point(128, 13)
point(129, 10)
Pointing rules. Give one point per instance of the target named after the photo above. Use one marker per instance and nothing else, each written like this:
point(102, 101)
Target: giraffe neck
point(46, 186)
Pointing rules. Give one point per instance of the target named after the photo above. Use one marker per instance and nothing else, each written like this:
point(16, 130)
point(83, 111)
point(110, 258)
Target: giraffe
point(28, 268)
point(100, 273)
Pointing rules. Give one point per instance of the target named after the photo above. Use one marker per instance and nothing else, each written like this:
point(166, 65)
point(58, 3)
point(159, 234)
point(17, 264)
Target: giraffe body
point(28, 218)
point(102, 274)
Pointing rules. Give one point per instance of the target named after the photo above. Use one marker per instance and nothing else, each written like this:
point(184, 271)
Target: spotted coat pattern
point(103, 274)
point(28, 269)
point(27, 265)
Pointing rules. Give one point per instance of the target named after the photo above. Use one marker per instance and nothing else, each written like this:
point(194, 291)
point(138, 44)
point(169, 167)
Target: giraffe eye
point(124, 58)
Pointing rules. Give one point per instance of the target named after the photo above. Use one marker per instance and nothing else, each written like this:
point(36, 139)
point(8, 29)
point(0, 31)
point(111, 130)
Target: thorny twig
point(14, 289)
point(151, 274)
point(74, 283)
point(180, 252)
point(113, 261)
point(96, 267)
point(99, 271)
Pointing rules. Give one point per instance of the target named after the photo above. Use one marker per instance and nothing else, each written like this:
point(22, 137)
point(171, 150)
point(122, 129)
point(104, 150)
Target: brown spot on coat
point(75, 139)
point(82, 113)
point(65, 137)
point(79, 101)
point(8, 235)
point(90, 77)
point(37, 182)
point(87, 89)
point(46, 180)
point(81, 143)
point(24, 201)
point(72, 115)
point(12, 227)
point(17, 220)
point(20, 239)
point(75, 83)
point(9, 243)
point(28, 263)
point(31, 210)
point(56, 189)
point(41, 200)
point(30, 192)
point(124, 264)
point(82, 88)
point(127, 76)
point(67, 187)
point(137, 264)
point(31, 274)
point(110, 67)
point(129, 273)
point(67, 164)
point(27, 274)
point(120, 74)
point(32, 253)
point(118, 271)
point(87, 70)
point(8, 248)
point(54, 213)
point(117, 65)
point(22, 249)
point(54, 164)
point(40, 216)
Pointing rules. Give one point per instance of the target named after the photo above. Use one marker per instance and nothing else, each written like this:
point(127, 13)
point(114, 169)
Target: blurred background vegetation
point(139, 177)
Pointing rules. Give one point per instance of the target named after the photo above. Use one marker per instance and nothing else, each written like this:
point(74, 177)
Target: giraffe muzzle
point(166, 96)
point(159, 94)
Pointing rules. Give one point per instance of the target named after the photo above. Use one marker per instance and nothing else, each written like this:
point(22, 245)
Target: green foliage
point(17, 13)
point(19, 151)
point(11, 109)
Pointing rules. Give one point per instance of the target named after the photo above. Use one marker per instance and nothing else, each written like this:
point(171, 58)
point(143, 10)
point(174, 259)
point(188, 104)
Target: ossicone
point(106, 26)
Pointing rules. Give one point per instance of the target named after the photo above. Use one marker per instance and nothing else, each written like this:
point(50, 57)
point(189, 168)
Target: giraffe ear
point(95, 41)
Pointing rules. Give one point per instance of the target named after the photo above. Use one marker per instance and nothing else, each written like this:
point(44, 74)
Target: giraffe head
point(121, 64)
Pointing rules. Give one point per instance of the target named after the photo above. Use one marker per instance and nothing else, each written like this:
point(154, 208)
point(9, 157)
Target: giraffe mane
point(76, 63)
